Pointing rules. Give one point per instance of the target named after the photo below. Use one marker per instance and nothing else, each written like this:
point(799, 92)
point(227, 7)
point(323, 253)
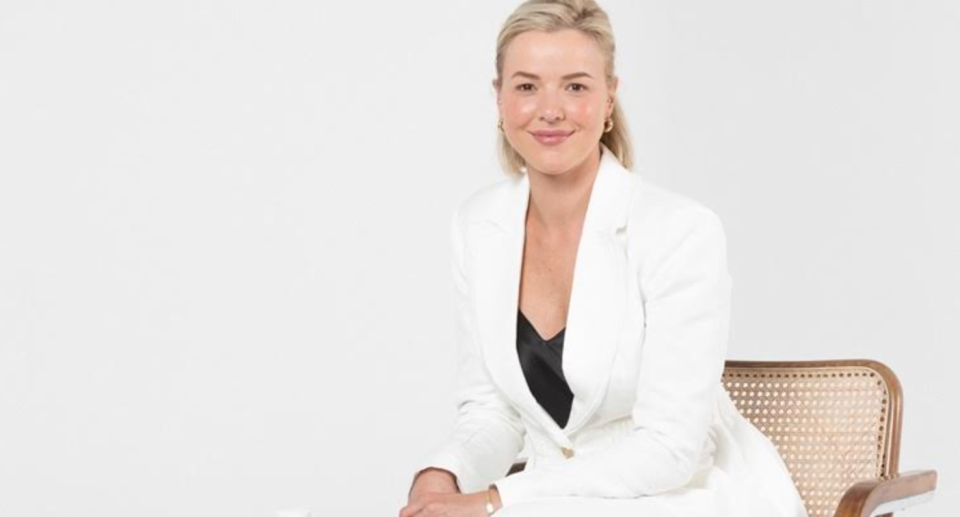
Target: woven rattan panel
point(829, 424)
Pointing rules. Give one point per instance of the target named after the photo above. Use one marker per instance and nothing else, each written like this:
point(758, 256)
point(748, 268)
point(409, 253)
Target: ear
point(612, 95)
point(496, 88)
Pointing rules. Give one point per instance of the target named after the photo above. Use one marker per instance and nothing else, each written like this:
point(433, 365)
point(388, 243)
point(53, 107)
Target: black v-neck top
point(542, 360)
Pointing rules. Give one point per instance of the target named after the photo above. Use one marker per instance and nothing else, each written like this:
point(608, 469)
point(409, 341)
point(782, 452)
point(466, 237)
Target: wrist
point(493, 499)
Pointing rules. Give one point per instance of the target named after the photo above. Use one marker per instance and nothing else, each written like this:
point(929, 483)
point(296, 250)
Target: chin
point(552, 162)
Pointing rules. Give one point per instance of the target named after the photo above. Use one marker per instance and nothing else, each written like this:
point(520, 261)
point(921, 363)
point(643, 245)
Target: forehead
point(553, 53)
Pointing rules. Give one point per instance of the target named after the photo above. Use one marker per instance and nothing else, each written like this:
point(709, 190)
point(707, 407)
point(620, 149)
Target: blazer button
point(568, 453)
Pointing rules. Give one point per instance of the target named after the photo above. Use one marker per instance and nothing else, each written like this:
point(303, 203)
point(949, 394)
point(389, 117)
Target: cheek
point(585, 113)
point(519, 109)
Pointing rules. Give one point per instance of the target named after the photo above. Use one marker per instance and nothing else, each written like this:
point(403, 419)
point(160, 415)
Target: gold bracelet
point(490, 508)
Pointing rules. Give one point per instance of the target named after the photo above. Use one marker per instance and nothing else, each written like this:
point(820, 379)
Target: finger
point(412, 509)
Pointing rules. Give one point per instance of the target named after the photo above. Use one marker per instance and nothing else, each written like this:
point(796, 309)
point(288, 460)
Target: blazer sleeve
point(488, 433)
point(686, 290)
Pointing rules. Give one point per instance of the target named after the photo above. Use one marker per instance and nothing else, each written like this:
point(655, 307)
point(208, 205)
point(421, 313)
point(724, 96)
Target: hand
point(433, 481)
point(447, 505)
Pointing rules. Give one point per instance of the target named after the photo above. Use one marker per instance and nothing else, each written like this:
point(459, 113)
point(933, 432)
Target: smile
point(551, 138)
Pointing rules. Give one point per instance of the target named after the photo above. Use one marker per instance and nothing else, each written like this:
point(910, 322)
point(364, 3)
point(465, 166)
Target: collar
point(607, 209)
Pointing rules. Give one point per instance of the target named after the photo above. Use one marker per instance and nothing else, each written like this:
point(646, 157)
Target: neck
point(559, 201)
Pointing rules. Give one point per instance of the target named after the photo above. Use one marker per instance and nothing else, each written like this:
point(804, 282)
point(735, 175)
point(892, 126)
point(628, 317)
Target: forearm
point(636, 466)
point(479, 451)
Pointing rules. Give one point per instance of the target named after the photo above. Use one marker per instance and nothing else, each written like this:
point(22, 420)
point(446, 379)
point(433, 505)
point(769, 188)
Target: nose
point(551, 109)
point(551, 115)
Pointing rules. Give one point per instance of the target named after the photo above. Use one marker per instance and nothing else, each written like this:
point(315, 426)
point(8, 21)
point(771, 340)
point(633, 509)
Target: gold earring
point(500, 125)
point(608, 125)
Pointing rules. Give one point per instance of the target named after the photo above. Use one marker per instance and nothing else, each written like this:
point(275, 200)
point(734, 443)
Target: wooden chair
point(836, 425)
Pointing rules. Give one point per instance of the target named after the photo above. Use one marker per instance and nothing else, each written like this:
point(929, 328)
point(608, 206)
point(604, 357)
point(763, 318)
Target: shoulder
point(487, 203)
point(656, 204)
point(661, 219)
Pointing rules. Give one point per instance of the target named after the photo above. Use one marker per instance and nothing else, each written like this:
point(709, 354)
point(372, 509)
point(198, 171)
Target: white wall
point(224, 283)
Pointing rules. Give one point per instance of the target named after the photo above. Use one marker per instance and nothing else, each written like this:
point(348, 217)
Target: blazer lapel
point(597, 304)
point(599, 296)
point(499, 256)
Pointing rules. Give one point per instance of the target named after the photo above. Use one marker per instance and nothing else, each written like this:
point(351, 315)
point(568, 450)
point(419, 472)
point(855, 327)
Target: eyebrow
point(566, 77)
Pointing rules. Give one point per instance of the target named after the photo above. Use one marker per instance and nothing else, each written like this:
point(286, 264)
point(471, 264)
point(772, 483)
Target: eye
point(578, 87)
point(524, 87)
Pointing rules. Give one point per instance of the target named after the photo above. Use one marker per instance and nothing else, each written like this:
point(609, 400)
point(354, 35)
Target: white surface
point(293, 513)
point(224, 280)
point(902, 504)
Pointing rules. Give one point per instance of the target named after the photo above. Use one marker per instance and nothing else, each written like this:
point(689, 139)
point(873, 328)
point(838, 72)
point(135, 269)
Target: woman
point(592, 314)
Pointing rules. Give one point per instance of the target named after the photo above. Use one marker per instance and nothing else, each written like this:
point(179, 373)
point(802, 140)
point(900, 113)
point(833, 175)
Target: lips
point(552, 137)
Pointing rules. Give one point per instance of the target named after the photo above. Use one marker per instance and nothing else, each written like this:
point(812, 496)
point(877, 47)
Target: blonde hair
point(554, 15)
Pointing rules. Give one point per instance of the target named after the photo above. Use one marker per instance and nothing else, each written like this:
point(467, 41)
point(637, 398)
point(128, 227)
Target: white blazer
point(644, 349)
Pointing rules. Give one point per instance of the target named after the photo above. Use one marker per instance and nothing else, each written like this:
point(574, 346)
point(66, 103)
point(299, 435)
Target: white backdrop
point(224, 280)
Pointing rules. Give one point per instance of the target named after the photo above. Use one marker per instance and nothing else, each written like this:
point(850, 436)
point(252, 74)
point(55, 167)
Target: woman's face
point(554, 99)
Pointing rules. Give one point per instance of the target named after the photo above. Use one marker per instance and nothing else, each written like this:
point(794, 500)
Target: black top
point(541, 360)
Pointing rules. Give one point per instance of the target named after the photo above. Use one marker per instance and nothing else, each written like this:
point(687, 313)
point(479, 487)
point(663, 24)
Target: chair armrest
point(885, 496)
